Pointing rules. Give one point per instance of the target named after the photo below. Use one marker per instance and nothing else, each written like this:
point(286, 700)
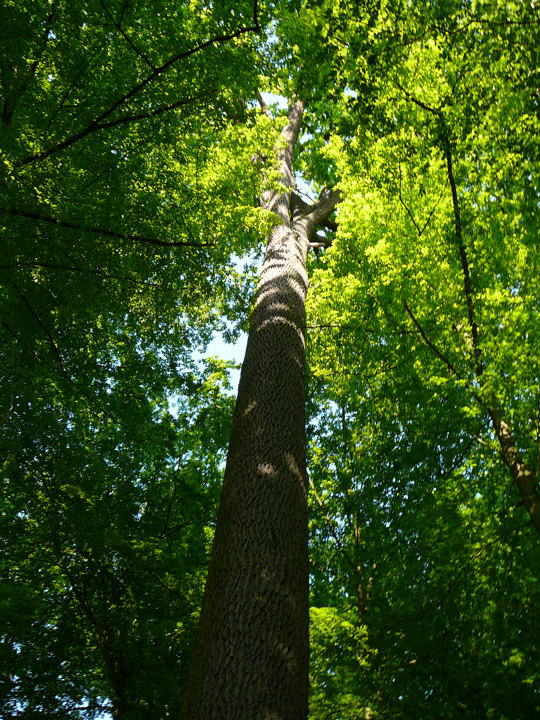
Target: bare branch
point(420, 103)
point(462, 252)
point(40, 322)
point(304, 208)
point(97, 123)
point(8, 110)
point(102, 231)
point(429, 342)
point(72, 268)
point(524, 478)
point(262, 103)
point(322, 208)
point(118, 26)
point(320, 241)
point(153, 113)
point(317, 212)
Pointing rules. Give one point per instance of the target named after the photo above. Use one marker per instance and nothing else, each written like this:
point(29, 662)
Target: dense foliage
point(132, 156)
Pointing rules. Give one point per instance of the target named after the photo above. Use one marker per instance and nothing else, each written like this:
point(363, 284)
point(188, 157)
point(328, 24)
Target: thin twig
point(420, 103)
point(155, 112)
point(330, 525)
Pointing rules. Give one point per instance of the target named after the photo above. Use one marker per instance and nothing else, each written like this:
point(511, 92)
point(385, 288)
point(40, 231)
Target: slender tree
point(251, 658)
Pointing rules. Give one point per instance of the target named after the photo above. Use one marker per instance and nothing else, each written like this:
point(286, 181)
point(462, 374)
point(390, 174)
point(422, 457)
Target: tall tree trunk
point(524, 478)
point(251, 659)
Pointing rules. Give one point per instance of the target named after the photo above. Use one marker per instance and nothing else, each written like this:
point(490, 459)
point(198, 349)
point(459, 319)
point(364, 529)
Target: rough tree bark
point(524, 477)
point(251, 658)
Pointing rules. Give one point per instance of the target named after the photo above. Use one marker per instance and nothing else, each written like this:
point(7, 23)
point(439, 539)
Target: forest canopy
point(148, 153)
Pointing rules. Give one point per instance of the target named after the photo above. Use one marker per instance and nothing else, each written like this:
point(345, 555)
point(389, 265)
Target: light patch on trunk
point(266, 469)
point(250, 406)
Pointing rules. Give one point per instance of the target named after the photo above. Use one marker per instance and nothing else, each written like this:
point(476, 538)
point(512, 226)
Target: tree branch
point(95, 271)
point(153, 113)
point(320, 241)
point(96, 126)
point(317, 213)
point(457, 224)
point(97, 123)
point(18, 340)
point(330, 526)
point(402, 201)
point(420, 230)
point(462, 252)
point(304, 209)
point(429, 343)
point(524, 478)
point(420, 103)
point(323, 206)
point(279, 201)
point(8, 111)
point(52, 343)
point(262, 103)
point(537, 464)
point(126, 37)
point(102, 231)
